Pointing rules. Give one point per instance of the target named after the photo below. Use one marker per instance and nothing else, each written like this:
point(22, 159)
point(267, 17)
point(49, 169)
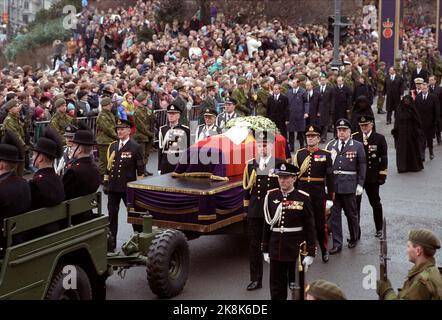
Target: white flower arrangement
point(256, 123)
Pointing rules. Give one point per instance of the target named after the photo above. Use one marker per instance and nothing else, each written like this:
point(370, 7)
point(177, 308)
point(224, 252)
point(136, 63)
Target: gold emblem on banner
point(388, 29)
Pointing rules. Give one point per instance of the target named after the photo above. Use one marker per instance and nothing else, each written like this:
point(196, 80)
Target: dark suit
point(316, 173)
point(349, 167)
point(428, 111)
point(278, 111)
point(282, 240)
point(80, 179)
point(437, 91)
point(326, 109)
point(422, 74)
point(126, 166)
point(377, 162)
point(343, 97)
point(253, 204)
point(15, 198)
point(312, 101)
point(394, 90)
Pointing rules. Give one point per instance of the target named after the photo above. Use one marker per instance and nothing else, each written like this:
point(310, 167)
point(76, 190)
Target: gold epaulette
point(325, 150)
point(353, 134)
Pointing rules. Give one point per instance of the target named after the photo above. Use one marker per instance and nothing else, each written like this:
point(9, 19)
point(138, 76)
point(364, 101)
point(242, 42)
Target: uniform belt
point(172, 152)
point(345, 172)
point(282, 229)
point(311, 179)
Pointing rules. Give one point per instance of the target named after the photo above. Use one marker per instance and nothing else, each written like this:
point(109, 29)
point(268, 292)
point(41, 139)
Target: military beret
point(241, 80)
point(106, 101)
point(382, 63)
point(325, 290)
point(343, 123)
point(302, 78)
point(59, 103)
point(11, 104)
point(284, 77)
point(424, 238)
point(264, 81)
point(141, 97)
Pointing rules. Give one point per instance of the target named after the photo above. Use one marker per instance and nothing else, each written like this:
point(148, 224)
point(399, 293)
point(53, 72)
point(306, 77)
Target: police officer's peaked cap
point(11, 149)
point(69, 130)
point(424, 238)
point(173, 108)
point(325, 290)
point(121, 123)
point(365, 119)
point(210, 112)
point(286, 169)
point(343, 123)
point(311, 129)
point(230, 100)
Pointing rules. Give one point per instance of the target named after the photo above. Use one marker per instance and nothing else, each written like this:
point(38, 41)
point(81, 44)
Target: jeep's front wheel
point(69, 282)
point(168, 263)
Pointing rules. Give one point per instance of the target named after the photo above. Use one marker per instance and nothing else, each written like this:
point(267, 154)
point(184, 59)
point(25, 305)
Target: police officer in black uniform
point(257, 180)
point(15, 194)
point(174, 140)
point(349, 167)
point(46, 186)
point(289, 222)
point(376, 150)
point(315, 176)
point(125, 164)
point(209, 128)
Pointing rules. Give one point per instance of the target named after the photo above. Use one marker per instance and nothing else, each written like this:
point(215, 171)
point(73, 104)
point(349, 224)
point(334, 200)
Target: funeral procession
point(221, 150)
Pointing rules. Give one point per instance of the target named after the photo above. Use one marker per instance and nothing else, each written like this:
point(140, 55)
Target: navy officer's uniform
point(125, 164)
point(173, 143)
point(316, 173)
point(349, 167)
point(258, 179)
point(376, 151)
point(289, 222)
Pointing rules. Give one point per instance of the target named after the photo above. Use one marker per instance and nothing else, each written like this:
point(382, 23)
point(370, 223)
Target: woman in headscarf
point(407, 132)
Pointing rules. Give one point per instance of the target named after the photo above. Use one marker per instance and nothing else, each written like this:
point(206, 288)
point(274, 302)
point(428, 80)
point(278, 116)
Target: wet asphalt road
point(219, 264)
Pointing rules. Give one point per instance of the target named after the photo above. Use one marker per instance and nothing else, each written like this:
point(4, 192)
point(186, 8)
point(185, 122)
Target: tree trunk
point(205, 11)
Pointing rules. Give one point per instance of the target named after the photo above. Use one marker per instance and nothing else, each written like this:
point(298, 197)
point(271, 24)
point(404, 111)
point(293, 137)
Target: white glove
point(328, 204)
point(307, 262)
point(359, 190)
point(159, 172)
point(266, 257)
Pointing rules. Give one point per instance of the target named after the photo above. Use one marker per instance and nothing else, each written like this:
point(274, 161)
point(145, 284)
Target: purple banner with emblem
point(439, 25)
point(389, 21)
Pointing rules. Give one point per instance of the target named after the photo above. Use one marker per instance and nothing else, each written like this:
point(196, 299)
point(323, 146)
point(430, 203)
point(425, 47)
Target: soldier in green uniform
point(323, 290)
point(380, 77)
point(60, 119)
point(424, 282)
point(13, 123)
point(284, 81)
point(263, 95)
point(106, 132)
point(144, 119)
point(240, 96)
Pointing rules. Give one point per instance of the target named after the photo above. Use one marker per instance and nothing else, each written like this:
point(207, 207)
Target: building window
point(25, 19)
point(26, 5)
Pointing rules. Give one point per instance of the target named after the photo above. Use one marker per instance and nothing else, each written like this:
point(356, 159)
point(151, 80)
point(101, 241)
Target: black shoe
point(254, 285)
point(431, 156)
point(149, 173)
point(352, 244)
point(335, 250)
point(378, 234)
point(325, 257)
point(381, 112)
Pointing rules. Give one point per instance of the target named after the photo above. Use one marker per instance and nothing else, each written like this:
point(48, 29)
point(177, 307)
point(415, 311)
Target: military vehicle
point(71, 262)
